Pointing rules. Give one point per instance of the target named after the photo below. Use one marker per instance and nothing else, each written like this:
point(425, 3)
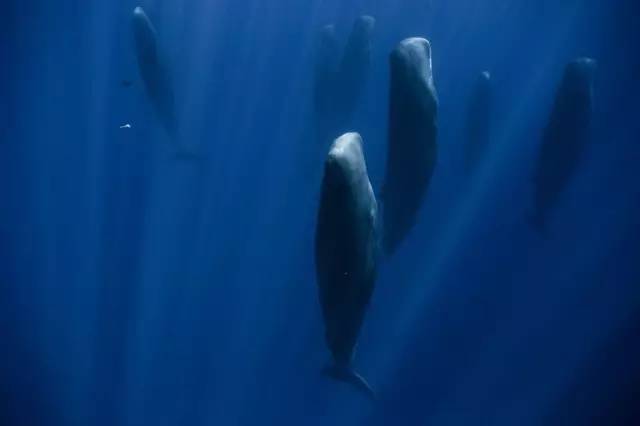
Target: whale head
point(144, 34)
point(579, 75)
point(364, 26)
point(484, 82)
point(345, 160)
point(328, 45)
point(412, 58)
point(140, 18)
point(411, 69)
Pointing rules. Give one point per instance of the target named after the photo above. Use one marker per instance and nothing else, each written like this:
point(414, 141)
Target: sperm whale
point(153, 70)
point(565, 137)
point(412, 148)
point(345, 252)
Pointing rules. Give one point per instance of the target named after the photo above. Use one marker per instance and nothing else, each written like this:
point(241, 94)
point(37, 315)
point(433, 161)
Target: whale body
point(153, 71)
point(565, 137)
point(478, 130)
point(325, 75)
point(346, 253)
point(354, 69)
point(340, 77)
point(412, 149)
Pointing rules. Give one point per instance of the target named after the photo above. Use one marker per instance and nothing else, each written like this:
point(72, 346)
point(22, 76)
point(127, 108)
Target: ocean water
point(139, 286)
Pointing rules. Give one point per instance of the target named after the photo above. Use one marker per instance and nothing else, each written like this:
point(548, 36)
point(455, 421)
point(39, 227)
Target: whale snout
point(586, 66)
point(365, 25)
point(590, 63)
point(345, 157)
point(580, 73)
point(140, 17)
point(412, 60)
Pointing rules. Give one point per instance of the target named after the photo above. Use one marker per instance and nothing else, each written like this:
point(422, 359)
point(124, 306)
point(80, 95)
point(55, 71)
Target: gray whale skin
point(412, 148)
point(346, 254)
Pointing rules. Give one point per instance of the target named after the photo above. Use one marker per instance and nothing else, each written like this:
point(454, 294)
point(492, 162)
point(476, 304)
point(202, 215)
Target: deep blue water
point(137, 288)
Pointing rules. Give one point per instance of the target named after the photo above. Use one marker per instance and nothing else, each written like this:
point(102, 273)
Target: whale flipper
point(346, 374)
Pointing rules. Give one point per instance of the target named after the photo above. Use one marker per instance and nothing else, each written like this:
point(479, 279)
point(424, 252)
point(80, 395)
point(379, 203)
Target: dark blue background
point(140, 289)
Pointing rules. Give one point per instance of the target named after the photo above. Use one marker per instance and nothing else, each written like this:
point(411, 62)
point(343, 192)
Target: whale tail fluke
point(347, 375)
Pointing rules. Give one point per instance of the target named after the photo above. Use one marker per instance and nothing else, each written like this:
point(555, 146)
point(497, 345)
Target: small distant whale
point(565, 137)
point(412, 138)
point(153, 71)
point(354, 68)
point(325, 75)
point(478, 124)
point(346, 253)
point(341, 78)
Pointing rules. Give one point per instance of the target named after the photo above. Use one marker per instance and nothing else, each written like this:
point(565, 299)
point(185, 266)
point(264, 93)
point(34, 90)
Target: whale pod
point(412, 148)
point(345, 253)
point(565, 137)
point(153, 71)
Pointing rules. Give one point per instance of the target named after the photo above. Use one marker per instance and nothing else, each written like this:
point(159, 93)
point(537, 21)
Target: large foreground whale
point(478, 124)
point(412, 148)
point(153, 71)
point(565, 137)
point(340, 78)
point(346, 253)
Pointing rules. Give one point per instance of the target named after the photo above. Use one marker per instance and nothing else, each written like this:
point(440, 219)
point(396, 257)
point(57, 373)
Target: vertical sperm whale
point(412, 149)
point(340, 77)
point(354, 69)
point(478, 130)
point(565, 137)
point(153, 71)
point(325, 76)
point(346, 253)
